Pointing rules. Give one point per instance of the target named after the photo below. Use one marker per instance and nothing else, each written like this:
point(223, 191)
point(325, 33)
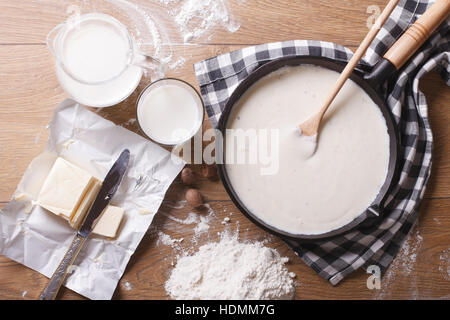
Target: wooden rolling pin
point(393, 59)
point(409, 42)
point(416, 35)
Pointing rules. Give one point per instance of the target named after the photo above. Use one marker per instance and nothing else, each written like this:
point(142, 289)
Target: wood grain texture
point(29, 92)
point(261, 21)
point(424, 276)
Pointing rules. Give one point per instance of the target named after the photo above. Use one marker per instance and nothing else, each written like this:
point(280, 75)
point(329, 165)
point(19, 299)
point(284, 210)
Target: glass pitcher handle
point(51, 36)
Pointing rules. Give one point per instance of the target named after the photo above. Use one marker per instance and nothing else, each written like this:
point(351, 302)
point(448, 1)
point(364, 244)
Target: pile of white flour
point(234, 270)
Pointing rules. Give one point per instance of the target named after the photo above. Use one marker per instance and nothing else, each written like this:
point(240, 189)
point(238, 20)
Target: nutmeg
point(209, 171)
point(187, 176)
point(194, 198)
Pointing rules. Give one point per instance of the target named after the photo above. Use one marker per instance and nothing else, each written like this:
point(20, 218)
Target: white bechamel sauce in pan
point(318, 193)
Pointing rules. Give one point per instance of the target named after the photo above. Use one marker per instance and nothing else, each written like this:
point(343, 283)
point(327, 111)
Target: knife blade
point(108, 189)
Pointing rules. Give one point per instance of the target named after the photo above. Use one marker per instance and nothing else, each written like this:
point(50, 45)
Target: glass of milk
point(97, 61)
point(169, 111)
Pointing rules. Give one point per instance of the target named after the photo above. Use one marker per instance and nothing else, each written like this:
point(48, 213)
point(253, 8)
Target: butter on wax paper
point(69, 191)
point(65, 188)
point(39, 239)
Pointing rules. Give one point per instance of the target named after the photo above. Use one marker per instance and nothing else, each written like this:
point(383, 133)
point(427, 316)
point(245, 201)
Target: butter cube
point(69, 192)
point(109, 221)
point(64, 188)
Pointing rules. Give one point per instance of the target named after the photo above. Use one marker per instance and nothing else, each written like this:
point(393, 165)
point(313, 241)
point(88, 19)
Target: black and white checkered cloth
point(336, 258)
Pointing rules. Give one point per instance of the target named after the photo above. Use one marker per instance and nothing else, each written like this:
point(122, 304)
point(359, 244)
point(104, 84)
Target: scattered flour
point(166, 240)
point(230, 269)
point(202, 221)
point(146, 27)
point(205, 220)
point(137, 13)
point(408, 252)
point(192, 18)
point(127, 286)
point(403, 264)
point(190, 219)
point(226, 220)
point(202, 226)
point(129, 122)
point(227, 269)
point(178, 205)
point(178, 63)
point(196, 17)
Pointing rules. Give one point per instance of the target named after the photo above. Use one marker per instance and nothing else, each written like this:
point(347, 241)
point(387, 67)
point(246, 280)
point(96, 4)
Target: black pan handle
point(409, 42)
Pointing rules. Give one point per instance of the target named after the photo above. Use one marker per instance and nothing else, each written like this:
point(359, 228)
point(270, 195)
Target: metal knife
point(108, 189)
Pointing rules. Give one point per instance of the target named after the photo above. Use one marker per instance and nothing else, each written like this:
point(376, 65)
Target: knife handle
point(60, 273)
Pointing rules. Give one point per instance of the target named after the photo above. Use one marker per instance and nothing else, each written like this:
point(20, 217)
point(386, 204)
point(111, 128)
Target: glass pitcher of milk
point(97, 60)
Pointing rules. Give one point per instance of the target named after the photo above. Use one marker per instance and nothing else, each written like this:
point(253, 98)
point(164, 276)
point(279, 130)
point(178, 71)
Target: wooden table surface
point(29, 92)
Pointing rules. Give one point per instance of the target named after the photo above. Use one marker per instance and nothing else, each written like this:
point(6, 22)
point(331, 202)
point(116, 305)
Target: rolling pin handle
point(416, 35)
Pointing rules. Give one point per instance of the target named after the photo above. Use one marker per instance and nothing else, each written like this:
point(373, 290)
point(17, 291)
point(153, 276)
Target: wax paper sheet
point(39, 239)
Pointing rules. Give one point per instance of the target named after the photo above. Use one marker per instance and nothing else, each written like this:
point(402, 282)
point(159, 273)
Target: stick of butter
point(109, 221)
point(69, 191)
point(64, 189)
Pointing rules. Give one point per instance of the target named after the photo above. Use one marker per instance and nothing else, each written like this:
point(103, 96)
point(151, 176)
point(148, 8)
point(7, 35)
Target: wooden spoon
point(310, 127)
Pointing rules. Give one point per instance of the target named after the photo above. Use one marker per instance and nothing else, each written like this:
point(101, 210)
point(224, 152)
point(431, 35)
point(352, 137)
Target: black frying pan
point(397, 55)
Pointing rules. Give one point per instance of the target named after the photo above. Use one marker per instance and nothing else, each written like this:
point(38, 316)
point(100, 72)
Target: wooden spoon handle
point(358, 54)
point(310, 127)
point(416, 35)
